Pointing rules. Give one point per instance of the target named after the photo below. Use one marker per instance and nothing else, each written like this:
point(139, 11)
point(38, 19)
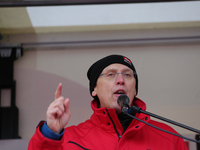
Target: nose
point(120, 79)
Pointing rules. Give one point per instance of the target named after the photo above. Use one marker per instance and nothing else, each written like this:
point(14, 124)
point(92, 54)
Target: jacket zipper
point(78, 145)
point(119, 136)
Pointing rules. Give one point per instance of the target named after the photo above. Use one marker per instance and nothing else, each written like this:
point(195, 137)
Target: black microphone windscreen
point(123, 100)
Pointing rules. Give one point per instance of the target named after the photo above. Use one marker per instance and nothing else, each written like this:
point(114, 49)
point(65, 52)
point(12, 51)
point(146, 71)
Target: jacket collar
point(107, 118)
point(137, 102)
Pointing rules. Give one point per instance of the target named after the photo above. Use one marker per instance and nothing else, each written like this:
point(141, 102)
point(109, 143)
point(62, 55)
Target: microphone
point(123, 102)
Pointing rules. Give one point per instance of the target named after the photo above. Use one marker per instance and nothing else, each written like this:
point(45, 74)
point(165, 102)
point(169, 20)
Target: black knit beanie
point(95, 70)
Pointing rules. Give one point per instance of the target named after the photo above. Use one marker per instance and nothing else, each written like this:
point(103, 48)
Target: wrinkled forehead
point(116, 67)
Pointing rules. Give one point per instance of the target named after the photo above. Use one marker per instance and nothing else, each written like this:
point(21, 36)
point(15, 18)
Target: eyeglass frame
point(116, 75)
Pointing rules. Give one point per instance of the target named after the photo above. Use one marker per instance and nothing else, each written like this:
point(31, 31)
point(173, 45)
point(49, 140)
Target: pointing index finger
point(58, 91)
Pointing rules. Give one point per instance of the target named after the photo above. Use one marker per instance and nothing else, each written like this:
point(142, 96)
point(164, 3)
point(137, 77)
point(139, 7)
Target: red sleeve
point(39, 142)
point(181, 144)
point(178, 142)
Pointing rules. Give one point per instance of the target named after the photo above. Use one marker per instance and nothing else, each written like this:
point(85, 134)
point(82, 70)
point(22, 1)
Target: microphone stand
point(197, 137)
point(134, 110)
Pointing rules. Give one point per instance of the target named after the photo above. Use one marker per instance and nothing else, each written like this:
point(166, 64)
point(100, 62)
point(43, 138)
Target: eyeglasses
point(114, 75)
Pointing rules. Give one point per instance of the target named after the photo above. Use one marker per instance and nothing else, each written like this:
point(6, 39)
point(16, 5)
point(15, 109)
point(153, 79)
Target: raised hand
point(58, 112)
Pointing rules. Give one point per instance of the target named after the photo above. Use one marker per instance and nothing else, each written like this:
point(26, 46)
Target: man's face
point(108, 89)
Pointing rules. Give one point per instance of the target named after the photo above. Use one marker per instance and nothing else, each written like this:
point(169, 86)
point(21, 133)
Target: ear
point(135, 93)
point(94, 93)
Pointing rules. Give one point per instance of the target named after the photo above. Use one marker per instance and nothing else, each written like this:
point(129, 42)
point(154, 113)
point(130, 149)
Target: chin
point(118, 111)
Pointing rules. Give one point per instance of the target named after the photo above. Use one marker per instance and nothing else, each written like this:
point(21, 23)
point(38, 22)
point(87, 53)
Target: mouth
point(119, 92)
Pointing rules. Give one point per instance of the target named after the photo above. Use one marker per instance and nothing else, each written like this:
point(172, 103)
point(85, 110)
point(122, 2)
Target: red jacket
point(103, 131)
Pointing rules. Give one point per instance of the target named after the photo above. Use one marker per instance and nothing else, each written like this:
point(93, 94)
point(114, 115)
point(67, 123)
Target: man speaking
point(108, 127)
